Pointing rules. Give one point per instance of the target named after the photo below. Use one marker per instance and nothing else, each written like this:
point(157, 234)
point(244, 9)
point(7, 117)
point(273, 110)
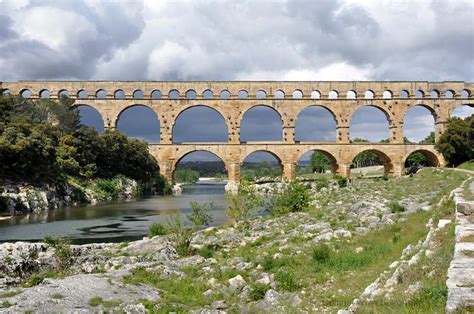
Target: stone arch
point(351, 94)
point(465, 93)
point(461, 110)
point(330, 157)
point(6, 92)
point(138, 94)
point(449, 93)
point(404, 94)
point(225, 94)
point(383, 158)
point(419, 94)
point(369, 94)
point(91, 116)
point(207, 94)
point(326, 111)
point(388, 119)
point(408, 123)
point(315, 94)
point(434, 94)
point(119, 94)
point(82, 94)
point(155, 94)
point(333, 94)
point(44, 93)
point(63, 92)
point(297, 94)
point(145, 121)
point(387, 94)
point(100, 94)
point(264, 151)
point(431, 158)
point(26, 93)
point(261, 94)
point(182, 155)
point(242, 123)
point(279, 94)
point(214, 110)
point(190, 94)
point(243, 94)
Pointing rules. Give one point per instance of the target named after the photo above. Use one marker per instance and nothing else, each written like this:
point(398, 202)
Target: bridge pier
point(344, 170)
point(289, 171)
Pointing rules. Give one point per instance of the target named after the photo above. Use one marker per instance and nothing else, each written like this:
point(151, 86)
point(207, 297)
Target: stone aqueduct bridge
point(233, 98)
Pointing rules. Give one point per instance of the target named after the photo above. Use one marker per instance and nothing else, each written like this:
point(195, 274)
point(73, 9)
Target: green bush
point(396, 207)
point(62, 249)
point(157, 229)
point(321, 253)
point(286, 280)
point(206, 251)
point(108, 186)
point(181, 236)
point(3, 204)
point(341, 181)
point(200, 214)
point(258, 290)
point(322, 183)
point(294, 198)
point(245, 203)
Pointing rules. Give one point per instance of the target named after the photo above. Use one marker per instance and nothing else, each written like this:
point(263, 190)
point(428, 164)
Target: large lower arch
point(315, 154)
point(141, 122)
point(421, 158)
point(200, 124)
point(89, 116)
point(204, 162)
point(261, 163)
point(419, 124)
point(261, 123)
point(316, 124)
point(463, 111)
point(371, 158)
point(369, 123)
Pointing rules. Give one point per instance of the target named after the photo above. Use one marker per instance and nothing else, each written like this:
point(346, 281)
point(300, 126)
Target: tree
point(457, 142)
point(430, 139)
point(319, 162)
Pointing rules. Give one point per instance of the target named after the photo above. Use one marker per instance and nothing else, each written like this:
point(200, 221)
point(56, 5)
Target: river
point(115, 221)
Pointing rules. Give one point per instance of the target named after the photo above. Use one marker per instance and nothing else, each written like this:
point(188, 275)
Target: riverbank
point(315, 261)
point(18, 198)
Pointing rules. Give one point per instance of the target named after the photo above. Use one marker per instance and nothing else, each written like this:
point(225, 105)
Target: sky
point(430, 40)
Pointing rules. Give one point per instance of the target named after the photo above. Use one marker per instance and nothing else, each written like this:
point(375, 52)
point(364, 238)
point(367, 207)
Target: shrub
point(321, 253)
point(286, 280)
point(206, 251)
point(181, 236)
point(294, 198)
point(62, 249)
point(3, 204)
point(341, 181)
point(258, 290)
point(396, 207)
point(157, 229)
point(108, 186)
point(200, 214)
point(322, 183)
point(245, 203)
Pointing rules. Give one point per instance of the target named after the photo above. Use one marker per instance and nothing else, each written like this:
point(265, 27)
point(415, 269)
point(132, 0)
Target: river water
point(115, 221)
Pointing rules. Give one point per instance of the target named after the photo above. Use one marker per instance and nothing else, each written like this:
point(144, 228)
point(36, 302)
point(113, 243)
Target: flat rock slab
point(73, 294)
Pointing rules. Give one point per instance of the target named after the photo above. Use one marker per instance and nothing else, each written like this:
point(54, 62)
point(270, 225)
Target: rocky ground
point(314, 261)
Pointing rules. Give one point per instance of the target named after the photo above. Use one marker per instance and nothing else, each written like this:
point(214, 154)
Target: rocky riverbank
point(314, 261)
point(17, 198)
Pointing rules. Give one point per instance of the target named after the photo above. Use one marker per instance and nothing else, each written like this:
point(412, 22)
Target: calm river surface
point(112, 222)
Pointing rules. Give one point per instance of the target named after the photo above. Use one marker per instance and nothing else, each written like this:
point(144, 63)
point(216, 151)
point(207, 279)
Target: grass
point(57, 296)
point(468, 165)
point(6, 304)
point(157, 229)
point(96, 301)
point(10, 294)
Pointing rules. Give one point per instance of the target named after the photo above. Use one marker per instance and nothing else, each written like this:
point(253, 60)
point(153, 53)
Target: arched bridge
point(232, 99)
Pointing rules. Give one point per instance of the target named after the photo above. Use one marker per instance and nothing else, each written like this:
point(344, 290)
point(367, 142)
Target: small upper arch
point(243, 94)
point(449, 93)
point(351, 94)
point(434, 94)
point(82, 94)
point(155, 94)
point(297, 94)
point(279, 94)
point(119, 94)
point(387, 94)
point(333, 94)
point(404, 93)
point(138, 94)
point(419, 94)
point(225, 94)
point(190, 94)
point(207, 94)
point(173, 94)
point(315, 94)
point(101, 94)
point(63, 93)
point(465, 93)
point(369, 94)
point(44, 93)
point(261, 94)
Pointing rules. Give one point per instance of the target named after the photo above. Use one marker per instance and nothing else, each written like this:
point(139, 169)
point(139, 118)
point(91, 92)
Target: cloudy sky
point(242, 40)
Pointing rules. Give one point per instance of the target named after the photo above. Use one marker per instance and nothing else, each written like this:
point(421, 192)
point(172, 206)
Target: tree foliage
point(319, 163)
point(457, 142)
point(245, 203)
point(43, 140)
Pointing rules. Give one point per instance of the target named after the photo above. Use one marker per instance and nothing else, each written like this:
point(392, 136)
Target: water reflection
point(116, 221)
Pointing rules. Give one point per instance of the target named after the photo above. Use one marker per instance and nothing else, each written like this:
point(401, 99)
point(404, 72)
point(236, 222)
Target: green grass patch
point(10, 294)
point(96, 301)
point(468, 165)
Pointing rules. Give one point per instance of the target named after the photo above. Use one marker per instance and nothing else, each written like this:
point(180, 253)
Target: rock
point(219, 305)
point(271, 298)
point(443, 222)
point(359, 249)
point(414, 288)
point(264, 279)
point(342, 233)
point(134, 309)
point(237, 283)
point(296, 301)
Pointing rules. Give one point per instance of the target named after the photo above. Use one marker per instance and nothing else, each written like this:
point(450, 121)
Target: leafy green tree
point(293, 198)
point(457, 142)
point(319, 162)
point(186, 175)
point(200, 214)
point(430, 139)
